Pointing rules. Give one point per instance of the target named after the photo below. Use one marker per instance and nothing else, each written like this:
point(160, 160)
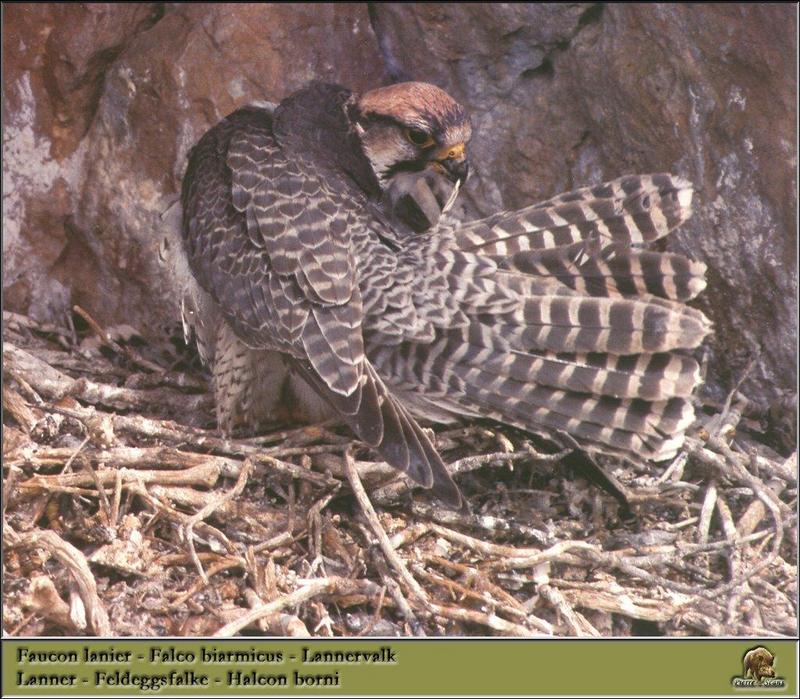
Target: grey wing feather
point(632, 209)
point(271, 237)
point(562, 326)
point(281, 273)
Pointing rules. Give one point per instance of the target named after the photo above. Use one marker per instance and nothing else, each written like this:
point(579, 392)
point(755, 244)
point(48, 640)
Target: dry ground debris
point(126, 513)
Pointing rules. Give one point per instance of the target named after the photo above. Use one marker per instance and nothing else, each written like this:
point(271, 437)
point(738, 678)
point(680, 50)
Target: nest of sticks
point(126, 513)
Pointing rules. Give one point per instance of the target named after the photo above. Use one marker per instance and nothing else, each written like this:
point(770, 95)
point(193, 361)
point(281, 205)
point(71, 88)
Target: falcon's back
point(280, 225)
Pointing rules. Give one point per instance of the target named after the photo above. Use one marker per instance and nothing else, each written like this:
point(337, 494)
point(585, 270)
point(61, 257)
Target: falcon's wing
point(270, 235)
point(268, 240)
point(564, 326)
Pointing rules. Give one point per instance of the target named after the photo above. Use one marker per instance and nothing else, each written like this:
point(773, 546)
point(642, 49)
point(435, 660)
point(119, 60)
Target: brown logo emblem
point(758, 670)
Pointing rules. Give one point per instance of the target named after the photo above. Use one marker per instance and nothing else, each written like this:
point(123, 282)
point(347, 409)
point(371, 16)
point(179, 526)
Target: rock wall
point(102, 101)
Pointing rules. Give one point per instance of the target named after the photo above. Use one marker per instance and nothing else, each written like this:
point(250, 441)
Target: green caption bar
point(281, 667)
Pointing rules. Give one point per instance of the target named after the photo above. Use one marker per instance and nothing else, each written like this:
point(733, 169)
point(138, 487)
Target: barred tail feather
point(652, 377)
point(586, 324)
point(615, 271)
point(650, 430)
point(612, 403)
point(632, 209)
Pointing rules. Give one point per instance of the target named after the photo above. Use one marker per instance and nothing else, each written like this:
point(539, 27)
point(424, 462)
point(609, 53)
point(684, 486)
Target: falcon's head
point(411, 126)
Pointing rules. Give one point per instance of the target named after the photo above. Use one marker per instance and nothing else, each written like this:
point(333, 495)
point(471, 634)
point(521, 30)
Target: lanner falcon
point(314, 294)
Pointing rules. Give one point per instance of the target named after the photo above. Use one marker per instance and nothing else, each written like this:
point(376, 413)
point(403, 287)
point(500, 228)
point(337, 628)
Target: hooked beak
point(452, 162)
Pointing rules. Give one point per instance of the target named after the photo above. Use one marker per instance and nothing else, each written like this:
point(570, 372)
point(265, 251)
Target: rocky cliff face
point(102, 103)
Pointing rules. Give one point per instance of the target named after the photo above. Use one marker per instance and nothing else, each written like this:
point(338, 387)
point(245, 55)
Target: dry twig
point(75, 562)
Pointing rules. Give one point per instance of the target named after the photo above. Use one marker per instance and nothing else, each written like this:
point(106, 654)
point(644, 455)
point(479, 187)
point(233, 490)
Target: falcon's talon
point(304, 288)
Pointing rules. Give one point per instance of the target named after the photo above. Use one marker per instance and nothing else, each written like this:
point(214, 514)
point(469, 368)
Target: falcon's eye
point(419, 138)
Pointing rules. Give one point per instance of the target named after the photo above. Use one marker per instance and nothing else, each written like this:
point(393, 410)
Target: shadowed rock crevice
point(391, 62)
point(592, 15)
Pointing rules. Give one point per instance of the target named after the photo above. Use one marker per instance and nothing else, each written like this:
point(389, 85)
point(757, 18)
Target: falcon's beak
point(452, 161)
